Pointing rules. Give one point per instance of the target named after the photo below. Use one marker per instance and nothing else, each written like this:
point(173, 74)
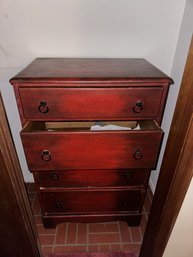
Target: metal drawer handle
point(138, 155)
point(43, 108)
point(138, 107)
point(54, 176)
point(128, 175)
point(58, 205)
point(124, 204)
point(46, 157)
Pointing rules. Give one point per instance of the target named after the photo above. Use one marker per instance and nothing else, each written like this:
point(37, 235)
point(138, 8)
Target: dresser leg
point(133, 221)
point(49, 222)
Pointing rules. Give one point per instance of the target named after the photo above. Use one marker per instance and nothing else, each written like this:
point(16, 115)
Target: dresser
point(91, 135)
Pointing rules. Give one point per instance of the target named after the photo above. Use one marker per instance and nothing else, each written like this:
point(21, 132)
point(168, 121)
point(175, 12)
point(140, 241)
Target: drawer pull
point(138, 155)
point(54, 176)
point(43, 108)
point(46, 157)
point(124, 204)
point(138, 107)
point(128, 175)
point(58, 205)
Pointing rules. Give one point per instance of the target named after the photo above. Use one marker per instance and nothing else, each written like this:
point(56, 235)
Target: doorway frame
point(176, 171)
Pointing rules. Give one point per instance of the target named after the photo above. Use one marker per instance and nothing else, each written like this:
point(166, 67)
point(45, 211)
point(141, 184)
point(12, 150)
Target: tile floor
point(93, 237)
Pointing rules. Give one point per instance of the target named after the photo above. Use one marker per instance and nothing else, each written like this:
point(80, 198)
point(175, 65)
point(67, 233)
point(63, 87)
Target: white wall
point(83, 28)
point(180, 242)
point(178, 66)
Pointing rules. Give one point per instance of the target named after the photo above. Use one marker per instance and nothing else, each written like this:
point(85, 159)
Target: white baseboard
point(152, 186)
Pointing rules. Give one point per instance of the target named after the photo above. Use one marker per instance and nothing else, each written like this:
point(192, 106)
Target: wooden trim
point(18, 233)
point(176, 170)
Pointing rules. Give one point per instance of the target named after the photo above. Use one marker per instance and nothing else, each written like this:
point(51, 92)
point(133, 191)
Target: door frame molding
point(21, 233)
point(176, 170)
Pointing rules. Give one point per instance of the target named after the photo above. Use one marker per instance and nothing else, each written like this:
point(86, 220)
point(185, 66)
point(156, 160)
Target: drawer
point(71, 146)
point(91, 178)
point(90, 103)
point(101, 201)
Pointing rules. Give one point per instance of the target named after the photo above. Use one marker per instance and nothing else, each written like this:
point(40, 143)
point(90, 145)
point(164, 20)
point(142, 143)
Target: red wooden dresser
point(85, 175)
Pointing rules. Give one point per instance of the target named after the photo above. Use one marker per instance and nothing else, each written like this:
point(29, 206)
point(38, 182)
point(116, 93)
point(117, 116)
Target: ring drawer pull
point(46, 156)
point(128, 175)
point(58, 205)
point(138, 155)
point(54, 176)
point(124, 204)
point(138, 107)
point(43, 108)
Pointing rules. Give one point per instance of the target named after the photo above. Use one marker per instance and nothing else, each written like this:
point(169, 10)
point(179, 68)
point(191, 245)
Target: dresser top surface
point(73, 69)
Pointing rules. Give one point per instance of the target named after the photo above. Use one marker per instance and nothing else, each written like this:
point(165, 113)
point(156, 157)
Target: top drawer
point(90, 103)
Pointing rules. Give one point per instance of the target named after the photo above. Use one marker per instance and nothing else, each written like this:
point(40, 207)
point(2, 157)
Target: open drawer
point(73, 145)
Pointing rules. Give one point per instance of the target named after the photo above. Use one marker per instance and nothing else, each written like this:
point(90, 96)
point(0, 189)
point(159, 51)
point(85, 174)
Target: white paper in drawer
point(112, 127)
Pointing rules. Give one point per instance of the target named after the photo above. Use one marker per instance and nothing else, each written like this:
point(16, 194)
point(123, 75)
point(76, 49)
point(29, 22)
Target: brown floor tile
point(93, 248)
point(124, 232)
point(126, 247)
point(133, 248)
point(46, 250)
point(47, 239)
point(116, 247)
point(103, 227)
point(104, 238)
point(105, 248)
point(61, 233)
point(82, 233)
point(74, 248)
point(135, 234)
point(71, 233)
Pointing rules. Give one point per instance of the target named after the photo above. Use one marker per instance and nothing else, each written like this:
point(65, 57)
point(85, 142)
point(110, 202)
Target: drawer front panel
point(90, 103)
point(87, 150)
point(91, 201)
point(92, 178)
